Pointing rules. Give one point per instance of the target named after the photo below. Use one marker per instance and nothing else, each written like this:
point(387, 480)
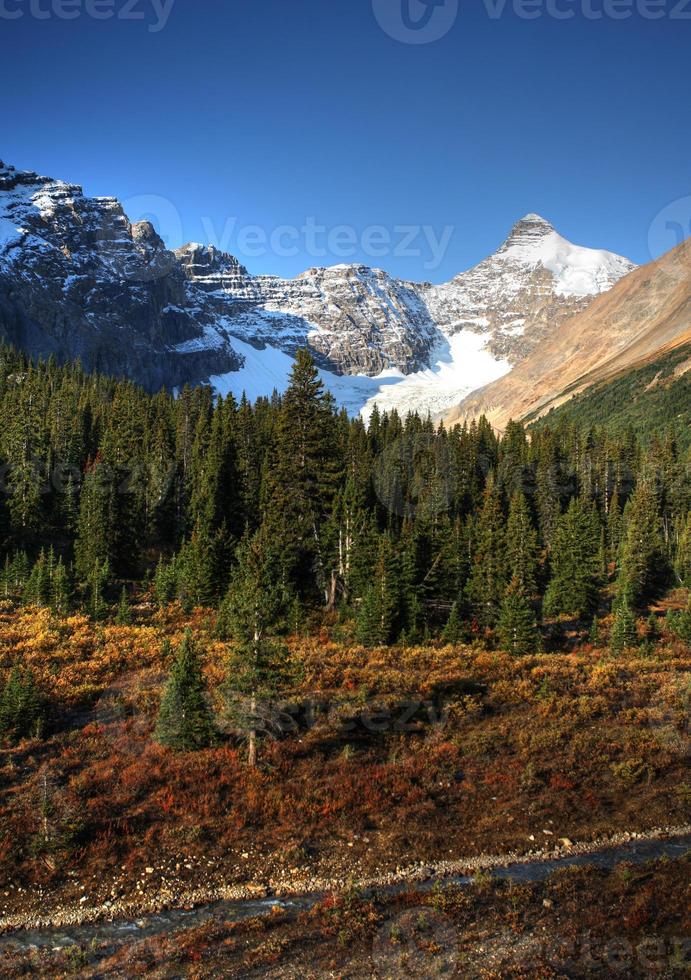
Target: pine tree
point(21, 709)
point(517, 627)
point(488, 576)
point(303, 478)
point(680, 623)
point(454, 631)
point(37, 588)
point(377, 615)
point(574, 559)
point(96, 587)
point(682, 563)
point(258, 667)
point(624, 628)
point(60, 591)
point(123, 616)
point(521, 544)
point(185, 722)
point(594, 635)
point(643, 566)
point(165, 582)
point(95, 541)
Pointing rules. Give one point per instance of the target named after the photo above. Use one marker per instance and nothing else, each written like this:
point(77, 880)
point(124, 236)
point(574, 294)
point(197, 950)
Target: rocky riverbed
point(172, 906)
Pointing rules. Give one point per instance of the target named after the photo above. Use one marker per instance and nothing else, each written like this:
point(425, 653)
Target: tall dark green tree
point(624, 627)
point(185, 722)
point(643, 564)
point(488, 576)
point(22, 712)
point(258, 667)
point(377, 617)
point(304, 477)
point(521, 544)
point(517, 628)
point(575, 562)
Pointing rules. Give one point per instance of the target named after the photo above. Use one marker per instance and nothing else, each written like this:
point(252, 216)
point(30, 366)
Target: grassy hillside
point(648, 398)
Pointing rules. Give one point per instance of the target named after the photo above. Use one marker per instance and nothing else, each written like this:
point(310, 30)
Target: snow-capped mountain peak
point(578, 271)
point(78, 279)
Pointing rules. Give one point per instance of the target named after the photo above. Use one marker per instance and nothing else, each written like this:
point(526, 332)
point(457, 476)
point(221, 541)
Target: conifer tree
point(37, 588)
point(185, 722)
point(682, 564)
point(643, 566)
point(123, 616)
point(624, 628)
point(377, 615)
point(60, 591)
point(574, 560)
point(517, 627)
point(21, 710)
point(454, 631)
point(521, 544)
point(95, 541)
point(594, 635)
point(95, 590)
point(304, 477)
point(488, 576)
point(258, 667)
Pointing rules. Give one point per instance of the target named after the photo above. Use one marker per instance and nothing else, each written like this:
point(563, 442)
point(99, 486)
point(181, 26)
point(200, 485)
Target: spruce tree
point(517, 628)
point(454, 631)
point(185, 722)
point(123, 616)
point(574, 560)
point(96, 524)
point(488, 576)
point(21, 709)
point(303, 478)
point(258, 666)
point(594, 635)
point(643, 566)
point(624, 628)
point(521, 544)
point(60, 591)
point(682, 563)
point(377, 615)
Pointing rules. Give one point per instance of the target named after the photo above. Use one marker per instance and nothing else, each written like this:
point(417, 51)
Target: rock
point(565, 842)
point(548, 903)
point(149, 871)
point(78, 279)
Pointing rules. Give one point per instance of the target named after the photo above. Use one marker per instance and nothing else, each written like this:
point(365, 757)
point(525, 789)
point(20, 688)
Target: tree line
point(403, 528)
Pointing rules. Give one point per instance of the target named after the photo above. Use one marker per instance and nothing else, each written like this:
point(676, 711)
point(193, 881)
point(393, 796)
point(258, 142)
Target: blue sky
point(275, 113)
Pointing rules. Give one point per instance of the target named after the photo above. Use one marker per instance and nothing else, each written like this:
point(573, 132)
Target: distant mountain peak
point(79, 279)
point(533, 225)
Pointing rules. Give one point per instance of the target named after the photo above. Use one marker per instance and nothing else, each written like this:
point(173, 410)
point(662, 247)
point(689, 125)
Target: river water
point(112, 934)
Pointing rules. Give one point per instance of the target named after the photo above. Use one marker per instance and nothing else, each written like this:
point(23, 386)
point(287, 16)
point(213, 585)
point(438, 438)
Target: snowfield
point(462, 366)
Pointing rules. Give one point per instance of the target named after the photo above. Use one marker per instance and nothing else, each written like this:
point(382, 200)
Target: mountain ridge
point(78, 279)
point(646, 312)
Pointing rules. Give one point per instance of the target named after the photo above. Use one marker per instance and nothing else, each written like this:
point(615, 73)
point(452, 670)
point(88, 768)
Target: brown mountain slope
point(648, 310)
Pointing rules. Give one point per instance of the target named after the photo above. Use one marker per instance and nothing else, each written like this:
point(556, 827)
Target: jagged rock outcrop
point(77, 279)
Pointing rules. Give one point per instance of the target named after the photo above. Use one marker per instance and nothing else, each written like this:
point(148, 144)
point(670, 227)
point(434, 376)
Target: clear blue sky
point(275, 111)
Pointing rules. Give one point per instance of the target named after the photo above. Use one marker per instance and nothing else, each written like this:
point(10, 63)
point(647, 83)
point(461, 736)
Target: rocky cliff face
point(77, 279)
point(647, 312)
point(523, 292)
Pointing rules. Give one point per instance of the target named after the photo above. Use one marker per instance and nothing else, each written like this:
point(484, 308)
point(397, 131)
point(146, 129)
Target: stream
point(109, 935)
